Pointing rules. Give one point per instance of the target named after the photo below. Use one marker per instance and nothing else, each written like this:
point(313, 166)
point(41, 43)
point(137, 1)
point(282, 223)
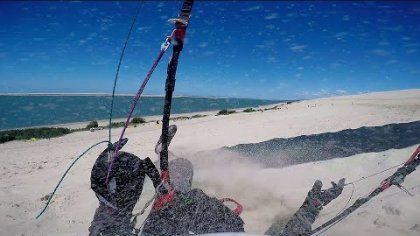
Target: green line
point(64, 175)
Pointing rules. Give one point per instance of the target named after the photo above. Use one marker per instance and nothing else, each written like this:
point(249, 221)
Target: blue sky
point(255, 49)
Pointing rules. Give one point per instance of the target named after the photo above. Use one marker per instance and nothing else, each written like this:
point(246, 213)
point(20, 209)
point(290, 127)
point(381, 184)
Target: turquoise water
point(38, 110)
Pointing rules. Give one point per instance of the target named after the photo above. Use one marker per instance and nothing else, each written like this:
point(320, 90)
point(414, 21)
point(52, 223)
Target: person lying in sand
point(194, 212)
point(191, 211)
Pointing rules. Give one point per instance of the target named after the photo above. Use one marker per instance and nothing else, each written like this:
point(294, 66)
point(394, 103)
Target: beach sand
point(30, 170)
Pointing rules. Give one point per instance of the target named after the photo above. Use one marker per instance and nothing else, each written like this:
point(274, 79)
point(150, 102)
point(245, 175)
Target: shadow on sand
point(280, 152)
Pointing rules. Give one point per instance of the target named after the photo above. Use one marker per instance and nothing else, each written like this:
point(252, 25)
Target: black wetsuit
point(192, 213)
point(196, 213)
point(118, 198)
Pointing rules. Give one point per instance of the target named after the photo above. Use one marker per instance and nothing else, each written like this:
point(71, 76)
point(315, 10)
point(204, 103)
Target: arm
point(301, 222)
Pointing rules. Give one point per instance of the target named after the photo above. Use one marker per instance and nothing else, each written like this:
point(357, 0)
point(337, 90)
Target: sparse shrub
point(92, 124)
point(249, 110)
point(6, 138)
point(37, 133)
point(180, 118)
point(271, 108)
point(116, 124)
point(225, 112)
point(138, 120)
point(198, 116)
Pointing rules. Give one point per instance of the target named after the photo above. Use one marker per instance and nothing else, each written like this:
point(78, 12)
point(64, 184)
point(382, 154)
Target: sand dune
point(30, 170)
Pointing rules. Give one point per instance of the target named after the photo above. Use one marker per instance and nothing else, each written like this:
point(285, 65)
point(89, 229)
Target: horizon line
point(127, 94)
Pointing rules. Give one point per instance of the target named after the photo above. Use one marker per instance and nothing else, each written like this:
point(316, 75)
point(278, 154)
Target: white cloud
point(281, 85)
point(380, 52)
point(271, 60)
point(254, 8)
point(272, 16)
point(208, 53)
point(270, 27)
point(346, 18)
point(303, 94)
point(269, 43)
point(298, 48)
point(339, 36)
point(145, 29)
point(407, 45)
point(320, 93)
point(397, 28)
point(410, 51)
point(390, 62)
point(383, 43)
point(335, 65)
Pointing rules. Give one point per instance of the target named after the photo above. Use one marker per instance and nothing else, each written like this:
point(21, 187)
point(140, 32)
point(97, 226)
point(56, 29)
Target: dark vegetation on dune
point(49, 132)
point(280, 152)
point(35, 133)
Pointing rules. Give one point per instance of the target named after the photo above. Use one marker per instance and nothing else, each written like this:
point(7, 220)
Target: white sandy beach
point(30, 170)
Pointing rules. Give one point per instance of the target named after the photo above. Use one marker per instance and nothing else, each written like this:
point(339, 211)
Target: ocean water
point(38, 110)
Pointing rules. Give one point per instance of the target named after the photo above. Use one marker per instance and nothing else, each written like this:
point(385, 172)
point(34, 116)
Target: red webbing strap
point(239, 208)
